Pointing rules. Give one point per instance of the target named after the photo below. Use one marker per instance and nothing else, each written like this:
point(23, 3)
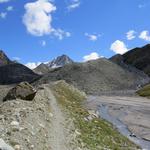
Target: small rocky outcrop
point(22, 91)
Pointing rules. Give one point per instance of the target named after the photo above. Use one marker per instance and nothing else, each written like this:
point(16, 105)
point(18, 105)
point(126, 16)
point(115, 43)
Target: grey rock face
point(96, 76)
point(60, 61)
point(4, 60)
point(22, 91)
point(41, 69)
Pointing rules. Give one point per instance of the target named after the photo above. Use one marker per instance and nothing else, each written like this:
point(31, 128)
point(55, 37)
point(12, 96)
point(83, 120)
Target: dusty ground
point(36, 125)
point(133, 111)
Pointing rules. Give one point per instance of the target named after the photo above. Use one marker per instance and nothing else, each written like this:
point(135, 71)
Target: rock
point(4, 146)
point(14, 123)
point(17, 147)
point(22, 91)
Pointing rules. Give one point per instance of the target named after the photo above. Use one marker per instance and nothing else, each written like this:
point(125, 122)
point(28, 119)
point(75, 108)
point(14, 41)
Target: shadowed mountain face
point(139, 58)
point(11, 72)
point(4, 60)
point(60, 61)
point(95, 76)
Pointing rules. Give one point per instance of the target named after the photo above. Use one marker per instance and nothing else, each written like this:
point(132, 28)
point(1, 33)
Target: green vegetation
point(95, 134)
point(145, 91)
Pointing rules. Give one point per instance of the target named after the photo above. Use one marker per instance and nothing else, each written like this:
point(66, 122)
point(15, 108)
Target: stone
point(22, 91)
point(4, 146)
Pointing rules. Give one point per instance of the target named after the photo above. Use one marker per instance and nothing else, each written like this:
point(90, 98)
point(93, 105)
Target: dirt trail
point(58, 133)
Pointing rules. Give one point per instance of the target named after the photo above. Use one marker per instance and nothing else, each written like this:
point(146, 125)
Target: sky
point(35, 31)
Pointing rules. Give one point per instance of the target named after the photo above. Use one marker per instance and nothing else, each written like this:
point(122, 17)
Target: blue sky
point(39, 30)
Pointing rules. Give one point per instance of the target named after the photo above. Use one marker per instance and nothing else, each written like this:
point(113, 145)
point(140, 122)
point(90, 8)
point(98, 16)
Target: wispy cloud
point(92, 37)
point(73, 4)
point(43, 43)
point(145, 35)
point(3, 15)
point(131, 35)
point(9, 8)
point(4, 1)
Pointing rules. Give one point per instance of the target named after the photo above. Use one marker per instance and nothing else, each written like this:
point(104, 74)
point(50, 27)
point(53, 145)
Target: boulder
point(22, 91)
point(4, 146)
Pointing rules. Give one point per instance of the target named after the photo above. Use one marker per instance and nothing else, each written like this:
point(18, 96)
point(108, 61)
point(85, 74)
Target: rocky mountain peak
point(60, 61)
point(4, 60)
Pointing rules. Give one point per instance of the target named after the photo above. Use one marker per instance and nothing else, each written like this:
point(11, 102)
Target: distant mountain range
point(117, 73)
point(60, 61)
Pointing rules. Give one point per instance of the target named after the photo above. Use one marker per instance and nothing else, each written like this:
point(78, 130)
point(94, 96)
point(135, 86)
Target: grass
point(96, 134)
point(145, 91)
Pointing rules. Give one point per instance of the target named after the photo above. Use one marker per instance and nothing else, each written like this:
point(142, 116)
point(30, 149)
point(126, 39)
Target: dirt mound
point(95, 76)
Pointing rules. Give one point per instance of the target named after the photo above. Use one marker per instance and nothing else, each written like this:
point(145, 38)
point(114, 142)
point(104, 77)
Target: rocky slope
point(15, 73)
point(95, 76)
point(12, 72)
point(119, 59)
point(139, 58)
point(4, 60)
point(41, 69)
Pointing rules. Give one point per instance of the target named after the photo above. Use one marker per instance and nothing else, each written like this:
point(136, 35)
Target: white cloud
point(32, 65)
point(92, 37)
point(43, 43)
point(37, 17)
point(130, 35)
point(92, 56)
point(74, 4)
point(3, 15)
point(119, 47)
point(60, 34)
point(9, 8)
point(145, 35)
point(4, 1)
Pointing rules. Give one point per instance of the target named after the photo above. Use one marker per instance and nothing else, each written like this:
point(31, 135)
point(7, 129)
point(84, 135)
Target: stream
point(122, 128)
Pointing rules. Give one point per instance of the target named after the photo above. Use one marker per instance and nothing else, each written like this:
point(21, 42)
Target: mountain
point(41, 69)
point(95, 76)
point(11, 72)
point(4, 60)
point(60, 61)
point(139, 58)
point(119, 59)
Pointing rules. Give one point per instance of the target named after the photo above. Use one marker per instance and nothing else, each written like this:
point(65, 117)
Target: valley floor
point(133, 111)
